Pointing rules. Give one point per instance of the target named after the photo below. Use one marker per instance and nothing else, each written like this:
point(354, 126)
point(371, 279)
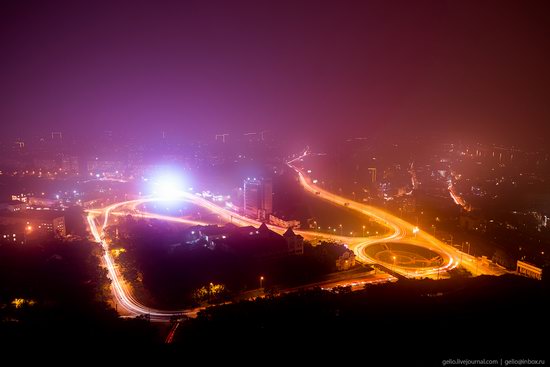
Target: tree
point(210, 293)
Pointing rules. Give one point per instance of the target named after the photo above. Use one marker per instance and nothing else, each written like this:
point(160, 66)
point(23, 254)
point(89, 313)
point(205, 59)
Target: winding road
point(398, 231)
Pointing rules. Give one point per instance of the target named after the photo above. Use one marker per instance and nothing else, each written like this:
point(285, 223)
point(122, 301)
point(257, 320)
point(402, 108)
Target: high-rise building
point(69, 164)
point(100, 166)
point(372, 173)
point(35, 221)
point(18, 146)
point(57, 136)
point(258, 198)
point(46, 164)
point(221, 137)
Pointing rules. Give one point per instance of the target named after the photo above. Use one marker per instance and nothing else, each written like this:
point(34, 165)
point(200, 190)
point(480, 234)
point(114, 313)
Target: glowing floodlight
point(168, 186)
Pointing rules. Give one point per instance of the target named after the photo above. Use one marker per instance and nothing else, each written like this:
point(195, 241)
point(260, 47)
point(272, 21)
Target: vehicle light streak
point(399, 230)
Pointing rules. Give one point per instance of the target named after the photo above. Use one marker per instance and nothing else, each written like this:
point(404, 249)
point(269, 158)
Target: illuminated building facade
point(529, 270)
point(258, 198)
point(35, 222)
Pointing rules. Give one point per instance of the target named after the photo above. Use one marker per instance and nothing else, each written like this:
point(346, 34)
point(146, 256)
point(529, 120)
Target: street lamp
point(261, 282)
point(28, 230)
point(415, 231)
point(393, 264)
point(363, 231)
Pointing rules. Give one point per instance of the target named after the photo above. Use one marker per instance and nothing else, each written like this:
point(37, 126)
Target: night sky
point(325, 68)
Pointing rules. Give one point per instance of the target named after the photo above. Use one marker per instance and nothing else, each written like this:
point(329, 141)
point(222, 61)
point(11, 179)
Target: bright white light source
point(168, 186)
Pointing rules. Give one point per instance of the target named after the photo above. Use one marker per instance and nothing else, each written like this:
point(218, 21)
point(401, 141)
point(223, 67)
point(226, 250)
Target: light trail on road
point(123, 295)
point(399, 230)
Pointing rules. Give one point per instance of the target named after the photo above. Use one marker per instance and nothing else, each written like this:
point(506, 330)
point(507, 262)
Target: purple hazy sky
point(324, 67)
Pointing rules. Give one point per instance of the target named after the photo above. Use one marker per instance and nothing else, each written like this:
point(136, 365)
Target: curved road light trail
point(400, 230)
point(121, 291)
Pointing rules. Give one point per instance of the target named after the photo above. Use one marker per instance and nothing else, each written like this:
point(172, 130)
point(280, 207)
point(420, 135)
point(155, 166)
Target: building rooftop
point(11, 202)
point(33, 214)
point(290, 233)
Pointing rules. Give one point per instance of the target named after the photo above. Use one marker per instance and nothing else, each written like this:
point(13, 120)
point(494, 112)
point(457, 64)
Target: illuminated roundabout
point(415, 244)
point(402, 254)
point(403, 249)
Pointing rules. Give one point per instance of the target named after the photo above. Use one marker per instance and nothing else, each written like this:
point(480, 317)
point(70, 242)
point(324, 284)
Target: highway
point(398, 230)
point(126, 303)
point(98, 220)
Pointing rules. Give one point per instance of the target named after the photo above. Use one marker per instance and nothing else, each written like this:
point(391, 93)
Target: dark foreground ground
point(408, 323)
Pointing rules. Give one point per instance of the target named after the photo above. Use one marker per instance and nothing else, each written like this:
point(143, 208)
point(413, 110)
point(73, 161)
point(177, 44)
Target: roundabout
point(406, 255)
point(404, 248)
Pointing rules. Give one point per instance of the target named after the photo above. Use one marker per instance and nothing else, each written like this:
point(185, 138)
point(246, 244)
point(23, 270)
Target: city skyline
point(360, 180)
